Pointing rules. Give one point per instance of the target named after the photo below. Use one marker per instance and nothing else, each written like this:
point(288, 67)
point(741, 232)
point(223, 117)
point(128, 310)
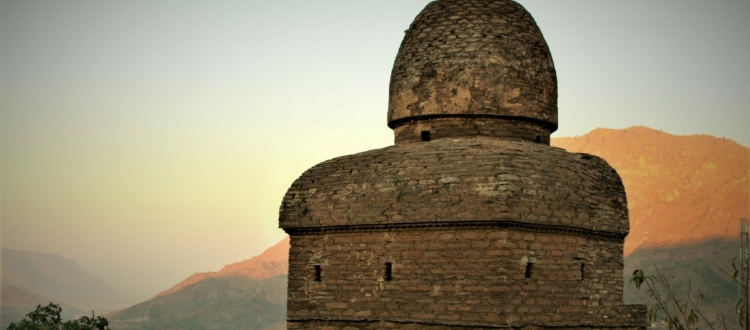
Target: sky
point(149, 140)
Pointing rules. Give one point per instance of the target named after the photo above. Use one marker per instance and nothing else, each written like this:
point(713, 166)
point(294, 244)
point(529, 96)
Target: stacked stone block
point(474, 57)
point(459, 277)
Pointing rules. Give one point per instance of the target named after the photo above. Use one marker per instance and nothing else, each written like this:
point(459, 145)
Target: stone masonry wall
point(458, 277)
point(381, 325)
point(445, 180)
point(452, 127)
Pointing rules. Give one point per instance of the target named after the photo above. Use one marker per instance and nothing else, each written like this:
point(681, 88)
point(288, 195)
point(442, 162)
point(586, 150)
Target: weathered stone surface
point(472, 277)
point(475, 57)
point(449, 180)
point(455, 127)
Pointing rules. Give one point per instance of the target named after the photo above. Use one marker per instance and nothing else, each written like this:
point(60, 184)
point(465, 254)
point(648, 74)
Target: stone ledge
point(414, 119)
point(481, 224)
point(608, 324)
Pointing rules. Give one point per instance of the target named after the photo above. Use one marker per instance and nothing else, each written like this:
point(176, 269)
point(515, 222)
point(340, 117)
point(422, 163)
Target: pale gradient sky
point(153, 139)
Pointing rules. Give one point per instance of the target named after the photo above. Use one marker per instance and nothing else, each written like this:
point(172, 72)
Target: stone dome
point(468, 63)
point(471, 220)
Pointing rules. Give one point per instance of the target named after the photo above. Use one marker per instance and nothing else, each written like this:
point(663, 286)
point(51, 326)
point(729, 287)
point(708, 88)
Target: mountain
point(17, 302)
point(250, 294)
point(273, 261)
point(53, 276)
point(214, 303)
point(680, 189)
point(685, 197)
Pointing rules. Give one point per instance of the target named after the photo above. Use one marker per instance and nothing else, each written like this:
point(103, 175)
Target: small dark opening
point(583, 267)
point(529, 267)
point(317, 273)
point(388, 271)
point(425, 136)
point(538, 139)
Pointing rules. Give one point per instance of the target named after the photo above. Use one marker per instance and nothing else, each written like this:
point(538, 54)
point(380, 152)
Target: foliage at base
point(48, 318)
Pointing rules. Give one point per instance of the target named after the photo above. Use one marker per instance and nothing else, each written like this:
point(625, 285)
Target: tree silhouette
point(48, 318)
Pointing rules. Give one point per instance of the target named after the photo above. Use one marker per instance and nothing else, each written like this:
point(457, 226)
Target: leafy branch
point(741, 307)
point(678, 313)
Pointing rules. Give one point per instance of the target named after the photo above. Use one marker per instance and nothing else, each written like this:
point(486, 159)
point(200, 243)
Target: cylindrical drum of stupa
point(471, 220)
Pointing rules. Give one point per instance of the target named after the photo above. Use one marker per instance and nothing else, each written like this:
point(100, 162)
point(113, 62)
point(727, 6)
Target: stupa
point(471, 220)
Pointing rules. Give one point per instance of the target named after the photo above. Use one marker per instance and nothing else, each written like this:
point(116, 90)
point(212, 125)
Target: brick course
point(457, 127)
point(467, 276)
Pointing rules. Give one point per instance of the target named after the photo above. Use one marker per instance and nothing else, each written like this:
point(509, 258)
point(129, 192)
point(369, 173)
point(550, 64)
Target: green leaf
point(637, 278)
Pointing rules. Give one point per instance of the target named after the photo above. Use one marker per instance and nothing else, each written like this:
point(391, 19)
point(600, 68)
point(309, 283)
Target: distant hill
point(213, 303)
point(690, 263)
point(246, 295)
point(680, 189)
point(53, 276)
point(273, 261)
point(17, 302)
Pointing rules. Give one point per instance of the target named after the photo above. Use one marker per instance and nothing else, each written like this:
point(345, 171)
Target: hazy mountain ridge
point(17, 302)
point(273, 261)
point(215, 303)
point(245, 295)
point(53, 276)
point(680, 189)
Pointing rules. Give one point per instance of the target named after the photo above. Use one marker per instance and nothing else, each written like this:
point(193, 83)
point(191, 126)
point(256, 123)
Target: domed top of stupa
point(474, 60)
